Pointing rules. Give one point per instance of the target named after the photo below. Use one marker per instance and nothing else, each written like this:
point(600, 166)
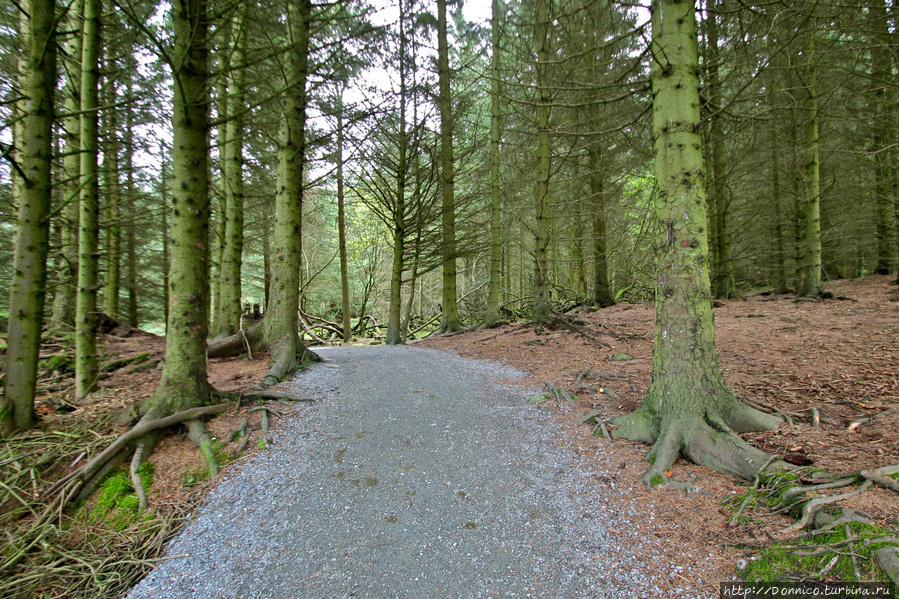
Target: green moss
point(261, 443)
point(656, 480)
point(651, 458)
point(117, 504)
point(59, 363)
point(785, 561)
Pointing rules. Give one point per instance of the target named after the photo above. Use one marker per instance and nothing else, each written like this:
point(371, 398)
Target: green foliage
point(62, 363)
point(656, 480)
point(117, 503)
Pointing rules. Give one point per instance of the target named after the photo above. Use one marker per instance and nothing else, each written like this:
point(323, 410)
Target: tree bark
point(450, 321)
point(602, 294)
point(493, 295)
point(184, 381)
point(113, 204)
point(341, 226)
point(688, 408)
point(86, 370)
point(27, 289)
point(64, 296)
point(812, 168)
point(228, 306)
point(130, 193)
point(542, 303)
point(882, 139)
point(281, 312)
point(723, 267)
point(398, 220)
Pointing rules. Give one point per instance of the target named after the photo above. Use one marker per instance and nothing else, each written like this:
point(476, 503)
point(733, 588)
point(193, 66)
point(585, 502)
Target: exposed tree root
point(142, 452)
point(842, 545)
point(708, 438)
point(199, 435)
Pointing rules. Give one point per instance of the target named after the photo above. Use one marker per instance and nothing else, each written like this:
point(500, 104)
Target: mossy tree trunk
point(493, 296)
point(542, 303)
point(130, 192)
point(602, 294)
point(450, 321)
point(723, 267)
point(882, 138)
point(64, 295)
point(341, 224)
point(86, 369)
point(27, 290)
point(113, 203)
point(183, 383)
point(228, 305)
point(688, 409)
point(811, 200)
point(280, 323)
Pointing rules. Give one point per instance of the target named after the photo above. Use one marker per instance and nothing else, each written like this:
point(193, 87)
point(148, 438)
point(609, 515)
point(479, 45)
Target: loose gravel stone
point(415, 475)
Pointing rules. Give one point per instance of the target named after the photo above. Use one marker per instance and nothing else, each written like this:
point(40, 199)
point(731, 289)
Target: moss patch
point(823, 556)
point(117, 503)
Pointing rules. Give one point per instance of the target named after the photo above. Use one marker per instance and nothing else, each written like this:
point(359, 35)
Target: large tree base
point(706, 436)
point(285, 355)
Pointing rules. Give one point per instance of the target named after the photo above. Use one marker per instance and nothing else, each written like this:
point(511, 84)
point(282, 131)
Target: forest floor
point(840, 356)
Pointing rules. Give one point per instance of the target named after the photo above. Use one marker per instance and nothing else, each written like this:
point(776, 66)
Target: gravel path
point(415, 476)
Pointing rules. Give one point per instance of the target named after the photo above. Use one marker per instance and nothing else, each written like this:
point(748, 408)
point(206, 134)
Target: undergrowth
point(845, 554)
point(100, 552)
point(838, 552)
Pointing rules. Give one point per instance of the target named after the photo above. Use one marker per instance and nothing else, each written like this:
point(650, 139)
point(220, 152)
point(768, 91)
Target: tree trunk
point(811, 169)
point(219, 216)
point(542, 303)
point(341, 227)
point(166, 246)
point(228, 305)
point(450, 321)
point(882, 139)
point(89, 226)
point(183, 383)
point(113, 205)
point(281, 312)
point(688, 408)
point(398, 221)
point(131, 192)
point(723, 267)
point(28, 286)
point(64, 297)
point(602, 294)
point(496, 240)
point(266, 258)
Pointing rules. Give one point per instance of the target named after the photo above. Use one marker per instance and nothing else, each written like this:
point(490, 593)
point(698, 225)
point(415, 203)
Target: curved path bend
point(416, 475)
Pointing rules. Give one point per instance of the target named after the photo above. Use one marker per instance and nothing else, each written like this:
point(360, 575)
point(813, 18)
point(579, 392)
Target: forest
point(254, 176)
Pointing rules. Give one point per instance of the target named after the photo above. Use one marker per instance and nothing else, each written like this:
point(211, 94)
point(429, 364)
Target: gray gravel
point(415, 475)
